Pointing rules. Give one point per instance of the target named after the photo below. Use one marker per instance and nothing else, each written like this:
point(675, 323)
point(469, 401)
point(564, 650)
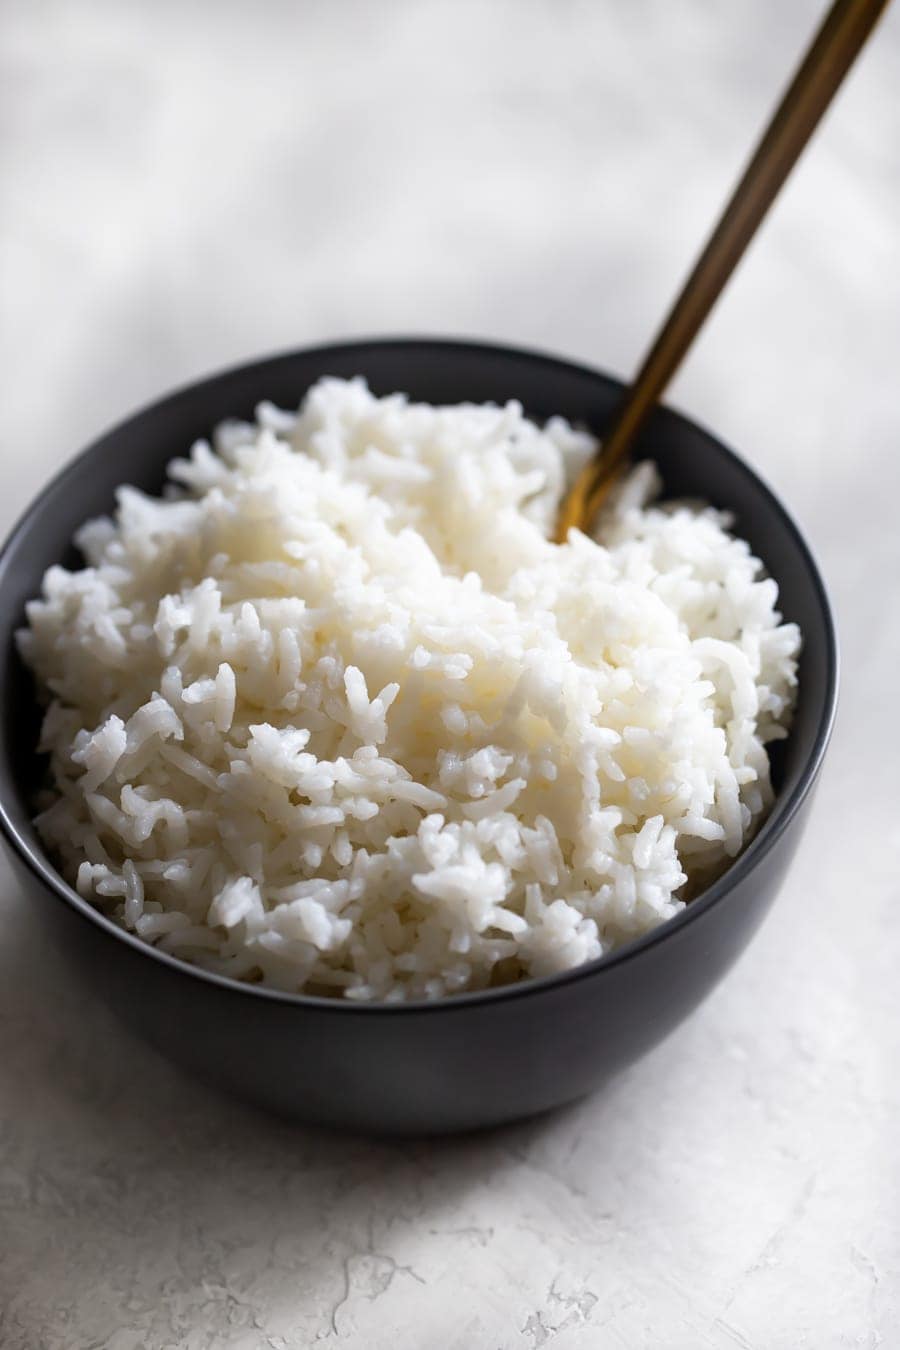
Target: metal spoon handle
point(833, 50)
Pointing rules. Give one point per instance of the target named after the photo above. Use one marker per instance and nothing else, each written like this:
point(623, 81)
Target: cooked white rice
point(336, 715)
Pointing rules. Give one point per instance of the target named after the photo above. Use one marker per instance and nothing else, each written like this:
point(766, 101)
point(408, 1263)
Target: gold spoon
point(836, 45)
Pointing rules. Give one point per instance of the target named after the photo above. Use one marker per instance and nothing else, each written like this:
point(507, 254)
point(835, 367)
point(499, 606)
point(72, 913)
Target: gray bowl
point(477, 1059)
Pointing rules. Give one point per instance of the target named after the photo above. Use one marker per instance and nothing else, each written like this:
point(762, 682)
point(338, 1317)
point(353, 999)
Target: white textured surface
point(186, 185)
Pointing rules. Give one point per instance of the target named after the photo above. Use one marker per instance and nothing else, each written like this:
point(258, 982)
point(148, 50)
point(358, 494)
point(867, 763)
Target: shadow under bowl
point(476, 1059)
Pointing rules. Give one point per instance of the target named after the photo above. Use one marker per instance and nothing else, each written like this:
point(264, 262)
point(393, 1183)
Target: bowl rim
point(772, 829)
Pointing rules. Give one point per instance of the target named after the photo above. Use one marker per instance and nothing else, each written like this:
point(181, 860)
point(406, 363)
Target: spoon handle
point(833, 50)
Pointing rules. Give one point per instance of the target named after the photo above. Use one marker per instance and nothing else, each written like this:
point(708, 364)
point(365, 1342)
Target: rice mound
point(336, 715)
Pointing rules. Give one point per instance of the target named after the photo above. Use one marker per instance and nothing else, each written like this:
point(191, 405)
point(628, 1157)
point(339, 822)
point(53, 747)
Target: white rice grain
point(338, 716)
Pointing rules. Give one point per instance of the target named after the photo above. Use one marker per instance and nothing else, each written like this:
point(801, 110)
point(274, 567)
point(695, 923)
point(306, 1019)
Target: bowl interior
point(692, 462)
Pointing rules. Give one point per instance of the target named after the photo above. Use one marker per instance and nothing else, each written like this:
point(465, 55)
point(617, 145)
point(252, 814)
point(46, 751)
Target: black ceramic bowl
point(476, 1059)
